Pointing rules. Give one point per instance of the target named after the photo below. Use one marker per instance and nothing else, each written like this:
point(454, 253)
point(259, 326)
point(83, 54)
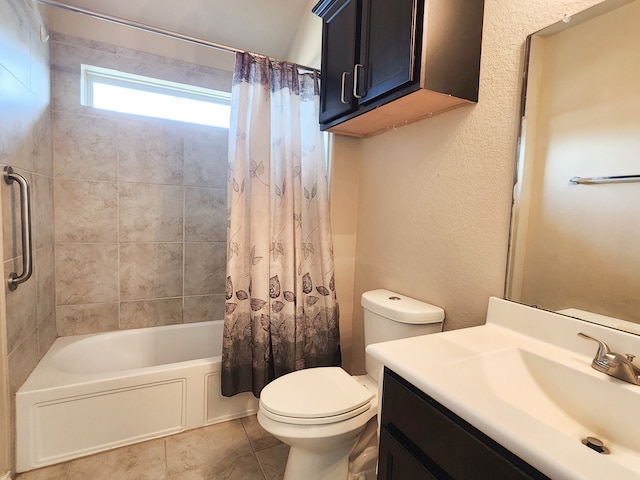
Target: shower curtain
point(281, 308)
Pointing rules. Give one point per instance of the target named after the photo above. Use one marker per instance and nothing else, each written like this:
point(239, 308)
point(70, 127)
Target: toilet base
point(307, 465)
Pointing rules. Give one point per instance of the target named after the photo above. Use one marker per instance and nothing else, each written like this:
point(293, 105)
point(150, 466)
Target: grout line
point(117, 181)
point(247, 434)
point(166, 460)
point(264, 474)
point(184, 232)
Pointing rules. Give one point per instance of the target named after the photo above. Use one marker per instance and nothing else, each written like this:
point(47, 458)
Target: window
point(128, 93)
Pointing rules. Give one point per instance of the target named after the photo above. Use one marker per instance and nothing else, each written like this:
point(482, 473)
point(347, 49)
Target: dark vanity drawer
point(399, 461)
point(447, 445)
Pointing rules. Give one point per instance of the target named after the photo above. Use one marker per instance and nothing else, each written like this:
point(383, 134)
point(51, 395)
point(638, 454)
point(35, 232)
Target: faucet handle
point(634, 367)
point(603, 350)
point(614, 364)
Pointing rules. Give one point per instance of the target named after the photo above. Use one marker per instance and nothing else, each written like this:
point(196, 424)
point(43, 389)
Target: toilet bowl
point(321, 412)
point(320, 427)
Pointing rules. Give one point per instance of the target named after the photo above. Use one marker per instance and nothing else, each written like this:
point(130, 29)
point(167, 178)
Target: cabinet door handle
point(355, 79)
point(342, 90)
point(414, 24)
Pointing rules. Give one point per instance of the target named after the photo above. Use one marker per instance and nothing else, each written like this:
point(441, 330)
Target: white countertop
point(447, 367)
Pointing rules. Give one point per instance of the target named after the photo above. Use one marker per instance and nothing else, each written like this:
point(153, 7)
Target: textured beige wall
point(582, 249)
point(307, 42)
point(345, 172)
point(435, 196)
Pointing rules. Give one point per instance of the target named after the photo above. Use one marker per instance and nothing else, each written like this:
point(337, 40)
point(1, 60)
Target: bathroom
point(441, 187)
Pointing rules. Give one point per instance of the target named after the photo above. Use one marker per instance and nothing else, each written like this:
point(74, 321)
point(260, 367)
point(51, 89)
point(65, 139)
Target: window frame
point(91, 74)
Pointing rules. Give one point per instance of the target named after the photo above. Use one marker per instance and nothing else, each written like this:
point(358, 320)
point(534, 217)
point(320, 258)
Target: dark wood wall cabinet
point(422, 439)
point(389, 62)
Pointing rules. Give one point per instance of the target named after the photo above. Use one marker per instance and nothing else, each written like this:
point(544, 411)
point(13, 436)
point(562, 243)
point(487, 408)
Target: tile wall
point(140, 203)
point(25, 144)
point(136, 229)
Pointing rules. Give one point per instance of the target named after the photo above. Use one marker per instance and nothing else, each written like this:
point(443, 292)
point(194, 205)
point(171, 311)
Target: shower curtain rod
point(157, 30)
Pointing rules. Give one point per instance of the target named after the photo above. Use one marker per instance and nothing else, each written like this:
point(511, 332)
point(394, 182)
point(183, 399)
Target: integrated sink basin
point(562, 392)
point(525, 379)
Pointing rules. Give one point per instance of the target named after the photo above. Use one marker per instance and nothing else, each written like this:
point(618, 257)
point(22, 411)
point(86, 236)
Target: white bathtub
point(95, 392)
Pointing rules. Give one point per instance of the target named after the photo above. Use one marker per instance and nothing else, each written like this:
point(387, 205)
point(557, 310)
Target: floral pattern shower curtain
point(281, 309)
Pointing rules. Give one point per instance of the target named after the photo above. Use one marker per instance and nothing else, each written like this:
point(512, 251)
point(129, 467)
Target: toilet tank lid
point(400, 307)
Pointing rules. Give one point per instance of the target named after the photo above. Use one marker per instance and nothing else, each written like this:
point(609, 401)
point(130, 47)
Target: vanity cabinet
point(422, 439)
point(389, 62)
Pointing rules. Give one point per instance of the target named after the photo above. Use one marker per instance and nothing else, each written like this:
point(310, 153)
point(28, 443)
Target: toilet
point(322, 412)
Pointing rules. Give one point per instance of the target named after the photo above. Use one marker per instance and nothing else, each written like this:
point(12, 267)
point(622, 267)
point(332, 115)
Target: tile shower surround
point(140, 203)
point(25, 144)
point(122, 185)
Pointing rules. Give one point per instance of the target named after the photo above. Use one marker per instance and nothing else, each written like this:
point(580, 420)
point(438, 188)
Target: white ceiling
point(267, 27)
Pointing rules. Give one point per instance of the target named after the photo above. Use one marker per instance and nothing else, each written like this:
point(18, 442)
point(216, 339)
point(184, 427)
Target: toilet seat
point(315, 396)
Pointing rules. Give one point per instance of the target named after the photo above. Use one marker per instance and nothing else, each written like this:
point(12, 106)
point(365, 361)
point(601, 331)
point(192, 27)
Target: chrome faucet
point(614, 364)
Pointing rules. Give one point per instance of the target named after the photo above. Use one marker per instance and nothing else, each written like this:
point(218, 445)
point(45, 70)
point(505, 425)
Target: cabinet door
point(395, 462)
point(444, 442)
point(340, 32)
point(390, 43)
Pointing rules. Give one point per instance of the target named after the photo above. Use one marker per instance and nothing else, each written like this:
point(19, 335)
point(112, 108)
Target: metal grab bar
point(611, 179)
point(25, 215)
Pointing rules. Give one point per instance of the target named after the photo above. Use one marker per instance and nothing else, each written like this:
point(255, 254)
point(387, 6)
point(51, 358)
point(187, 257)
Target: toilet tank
point(391, 316)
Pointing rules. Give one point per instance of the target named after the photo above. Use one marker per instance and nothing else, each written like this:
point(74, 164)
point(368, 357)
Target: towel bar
point(611, 179)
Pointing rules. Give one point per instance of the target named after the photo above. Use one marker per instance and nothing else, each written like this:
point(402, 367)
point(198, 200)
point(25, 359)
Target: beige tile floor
point(234, 450)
